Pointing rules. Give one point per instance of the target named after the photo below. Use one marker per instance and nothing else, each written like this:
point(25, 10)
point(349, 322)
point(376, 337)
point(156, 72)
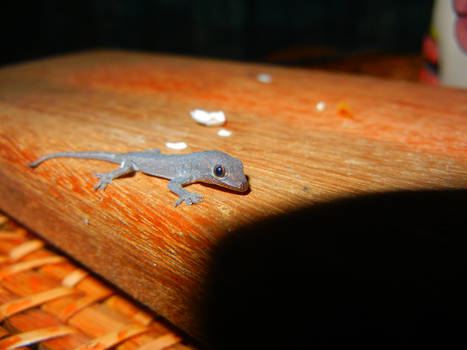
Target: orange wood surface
point(373, 135)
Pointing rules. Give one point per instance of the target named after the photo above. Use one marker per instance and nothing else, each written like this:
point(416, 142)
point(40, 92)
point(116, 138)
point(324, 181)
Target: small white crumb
point(264, 78)
point(208, 118)
point(85, 220)
point(176, 145)
point(224, 132)
point(320, 106)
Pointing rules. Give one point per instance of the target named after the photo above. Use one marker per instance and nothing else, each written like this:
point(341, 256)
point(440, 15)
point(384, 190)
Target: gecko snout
point(235, 182)
point(239, 183)
point(243, 185)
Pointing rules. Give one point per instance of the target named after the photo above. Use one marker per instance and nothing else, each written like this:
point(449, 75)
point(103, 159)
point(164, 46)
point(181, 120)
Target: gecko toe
point(104, 180)
point(190, 199)
point(100, 186)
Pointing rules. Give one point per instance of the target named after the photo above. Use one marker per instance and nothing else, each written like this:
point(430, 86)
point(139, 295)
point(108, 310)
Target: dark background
point(297, 32)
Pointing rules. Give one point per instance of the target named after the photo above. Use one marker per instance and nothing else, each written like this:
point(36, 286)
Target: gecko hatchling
point(212, 167)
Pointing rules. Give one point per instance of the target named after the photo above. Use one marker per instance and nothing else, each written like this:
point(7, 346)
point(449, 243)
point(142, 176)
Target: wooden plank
point(373, 135)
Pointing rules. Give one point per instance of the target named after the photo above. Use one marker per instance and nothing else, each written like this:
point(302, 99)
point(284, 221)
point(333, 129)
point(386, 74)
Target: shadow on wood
point(380, 270)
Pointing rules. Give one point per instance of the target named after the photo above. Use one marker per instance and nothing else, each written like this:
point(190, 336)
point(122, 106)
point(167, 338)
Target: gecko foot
point(104, 180)
point(190, 198)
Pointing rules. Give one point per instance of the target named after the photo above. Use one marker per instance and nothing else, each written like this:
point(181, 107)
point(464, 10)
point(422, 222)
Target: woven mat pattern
point(46, 300)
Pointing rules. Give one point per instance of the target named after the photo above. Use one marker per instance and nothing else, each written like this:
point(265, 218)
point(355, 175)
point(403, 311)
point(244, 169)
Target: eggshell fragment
point(320, 106)
point(264, 78)
point(176, 145)
point(208, 118)
point(224, 132)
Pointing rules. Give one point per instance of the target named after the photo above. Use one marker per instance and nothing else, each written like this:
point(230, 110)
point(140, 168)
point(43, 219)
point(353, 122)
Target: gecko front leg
point(106, 178)
point(189, 197)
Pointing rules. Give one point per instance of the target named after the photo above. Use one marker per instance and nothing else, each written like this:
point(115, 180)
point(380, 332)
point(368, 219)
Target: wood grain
point(392, 135)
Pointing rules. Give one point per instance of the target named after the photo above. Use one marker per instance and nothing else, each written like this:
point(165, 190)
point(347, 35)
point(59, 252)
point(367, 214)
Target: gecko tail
point(34, 164)
point(40, 160)
point(106, 156)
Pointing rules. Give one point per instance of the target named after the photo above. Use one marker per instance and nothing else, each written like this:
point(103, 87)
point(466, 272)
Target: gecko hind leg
point(106, 178)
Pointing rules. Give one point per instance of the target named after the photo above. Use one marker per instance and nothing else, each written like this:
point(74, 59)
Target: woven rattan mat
point(47, 302)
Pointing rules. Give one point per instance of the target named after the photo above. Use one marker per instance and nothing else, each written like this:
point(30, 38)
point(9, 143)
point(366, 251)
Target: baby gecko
point(212, 167)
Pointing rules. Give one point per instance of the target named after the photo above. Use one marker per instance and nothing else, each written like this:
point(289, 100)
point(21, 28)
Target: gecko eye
point(219, 171)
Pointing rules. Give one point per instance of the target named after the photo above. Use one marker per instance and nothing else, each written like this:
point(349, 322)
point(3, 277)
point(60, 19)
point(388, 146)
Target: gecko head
point(224, 170)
